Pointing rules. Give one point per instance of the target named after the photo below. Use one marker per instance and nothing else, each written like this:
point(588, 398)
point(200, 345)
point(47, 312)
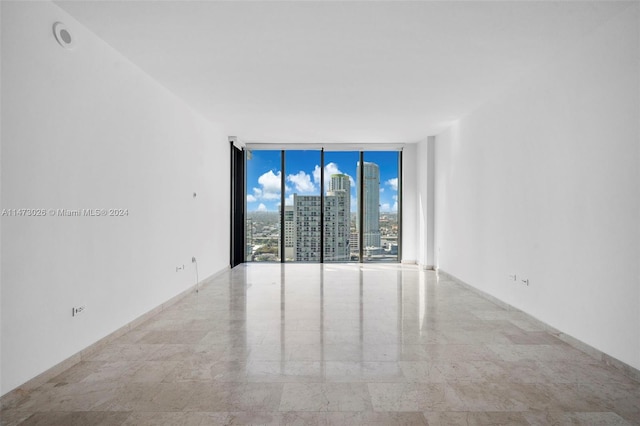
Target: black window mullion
point(399, 212)
point(361, 208)
point(322, 205)
point(282, 198)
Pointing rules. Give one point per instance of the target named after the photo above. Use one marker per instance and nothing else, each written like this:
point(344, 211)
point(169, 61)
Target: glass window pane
point(302, 206)
point(380, 206)
point(263, 204)
point(302, 210)
point(340, 237)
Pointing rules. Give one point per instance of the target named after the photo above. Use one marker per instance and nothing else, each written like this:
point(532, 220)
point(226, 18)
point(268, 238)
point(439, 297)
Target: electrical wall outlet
point(525, 281)
point(512, 277)
point(77, 310)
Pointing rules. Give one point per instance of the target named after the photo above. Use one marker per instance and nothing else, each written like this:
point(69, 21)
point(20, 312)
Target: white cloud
point(289, 200)
point(261, 208)
point(329, 169)
point(271, 196)
point(270, 181)
point(302, 182)
point(388, 207)
point(393, 183)
point(251, 198)
point(381, 189)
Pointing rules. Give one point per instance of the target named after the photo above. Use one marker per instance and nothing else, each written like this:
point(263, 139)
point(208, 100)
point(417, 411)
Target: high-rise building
point(353, 242)
point(289, 234)
point(303, 226)
point(306, 217)
point(337, 215)
point(371, 204)
point(340, 182)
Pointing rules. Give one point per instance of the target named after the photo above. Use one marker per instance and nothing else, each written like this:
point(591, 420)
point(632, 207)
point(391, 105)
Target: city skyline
point(299, 237)
point(302, 170)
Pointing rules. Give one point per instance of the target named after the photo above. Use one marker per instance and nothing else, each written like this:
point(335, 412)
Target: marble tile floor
point(334, 344)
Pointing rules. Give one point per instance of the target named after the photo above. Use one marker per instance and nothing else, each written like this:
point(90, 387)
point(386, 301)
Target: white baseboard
point(426, 267)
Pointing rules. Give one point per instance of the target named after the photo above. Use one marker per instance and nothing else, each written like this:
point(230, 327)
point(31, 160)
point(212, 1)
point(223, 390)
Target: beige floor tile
point(475, 418)
point(10, 417)
point(373, 344)
point(175, 418)
point(579, 419)
point(217, 397)
point(409, 396)
point(365, 371)
point(325, 397)
point(76, 418)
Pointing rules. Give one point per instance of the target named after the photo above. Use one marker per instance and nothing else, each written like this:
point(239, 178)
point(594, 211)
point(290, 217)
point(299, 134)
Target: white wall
point(87, 129)
point(418, 203)
point(425, 192)
point(543, 182)
point(410, 234)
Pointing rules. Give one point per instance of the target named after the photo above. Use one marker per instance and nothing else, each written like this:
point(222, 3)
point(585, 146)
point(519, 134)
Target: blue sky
point(302, 170)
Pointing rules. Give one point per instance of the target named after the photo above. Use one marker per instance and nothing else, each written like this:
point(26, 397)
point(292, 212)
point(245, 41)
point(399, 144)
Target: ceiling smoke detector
point(63, 36)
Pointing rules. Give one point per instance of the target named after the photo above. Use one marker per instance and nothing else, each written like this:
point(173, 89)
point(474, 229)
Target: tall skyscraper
point(303, 227)
point(337, 215)
point(371, 205)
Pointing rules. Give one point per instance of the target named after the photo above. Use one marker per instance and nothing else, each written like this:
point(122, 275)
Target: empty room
point(320, 212)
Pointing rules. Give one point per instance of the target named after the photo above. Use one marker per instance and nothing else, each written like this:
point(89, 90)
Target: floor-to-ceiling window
point(302, 220)
point(380, 206)
point(262, 231)
point(340, 235)
point(322, 206)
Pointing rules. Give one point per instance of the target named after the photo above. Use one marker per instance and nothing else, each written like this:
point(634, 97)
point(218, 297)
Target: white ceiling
point(356, 72)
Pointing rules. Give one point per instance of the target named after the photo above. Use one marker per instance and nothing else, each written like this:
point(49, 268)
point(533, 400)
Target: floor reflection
point(327, 320)
point(333, 344)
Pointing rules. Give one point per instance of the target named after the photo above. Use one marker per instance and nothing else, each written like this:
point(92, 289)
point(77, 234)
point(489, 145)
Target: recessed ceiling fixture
point(63, 36)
